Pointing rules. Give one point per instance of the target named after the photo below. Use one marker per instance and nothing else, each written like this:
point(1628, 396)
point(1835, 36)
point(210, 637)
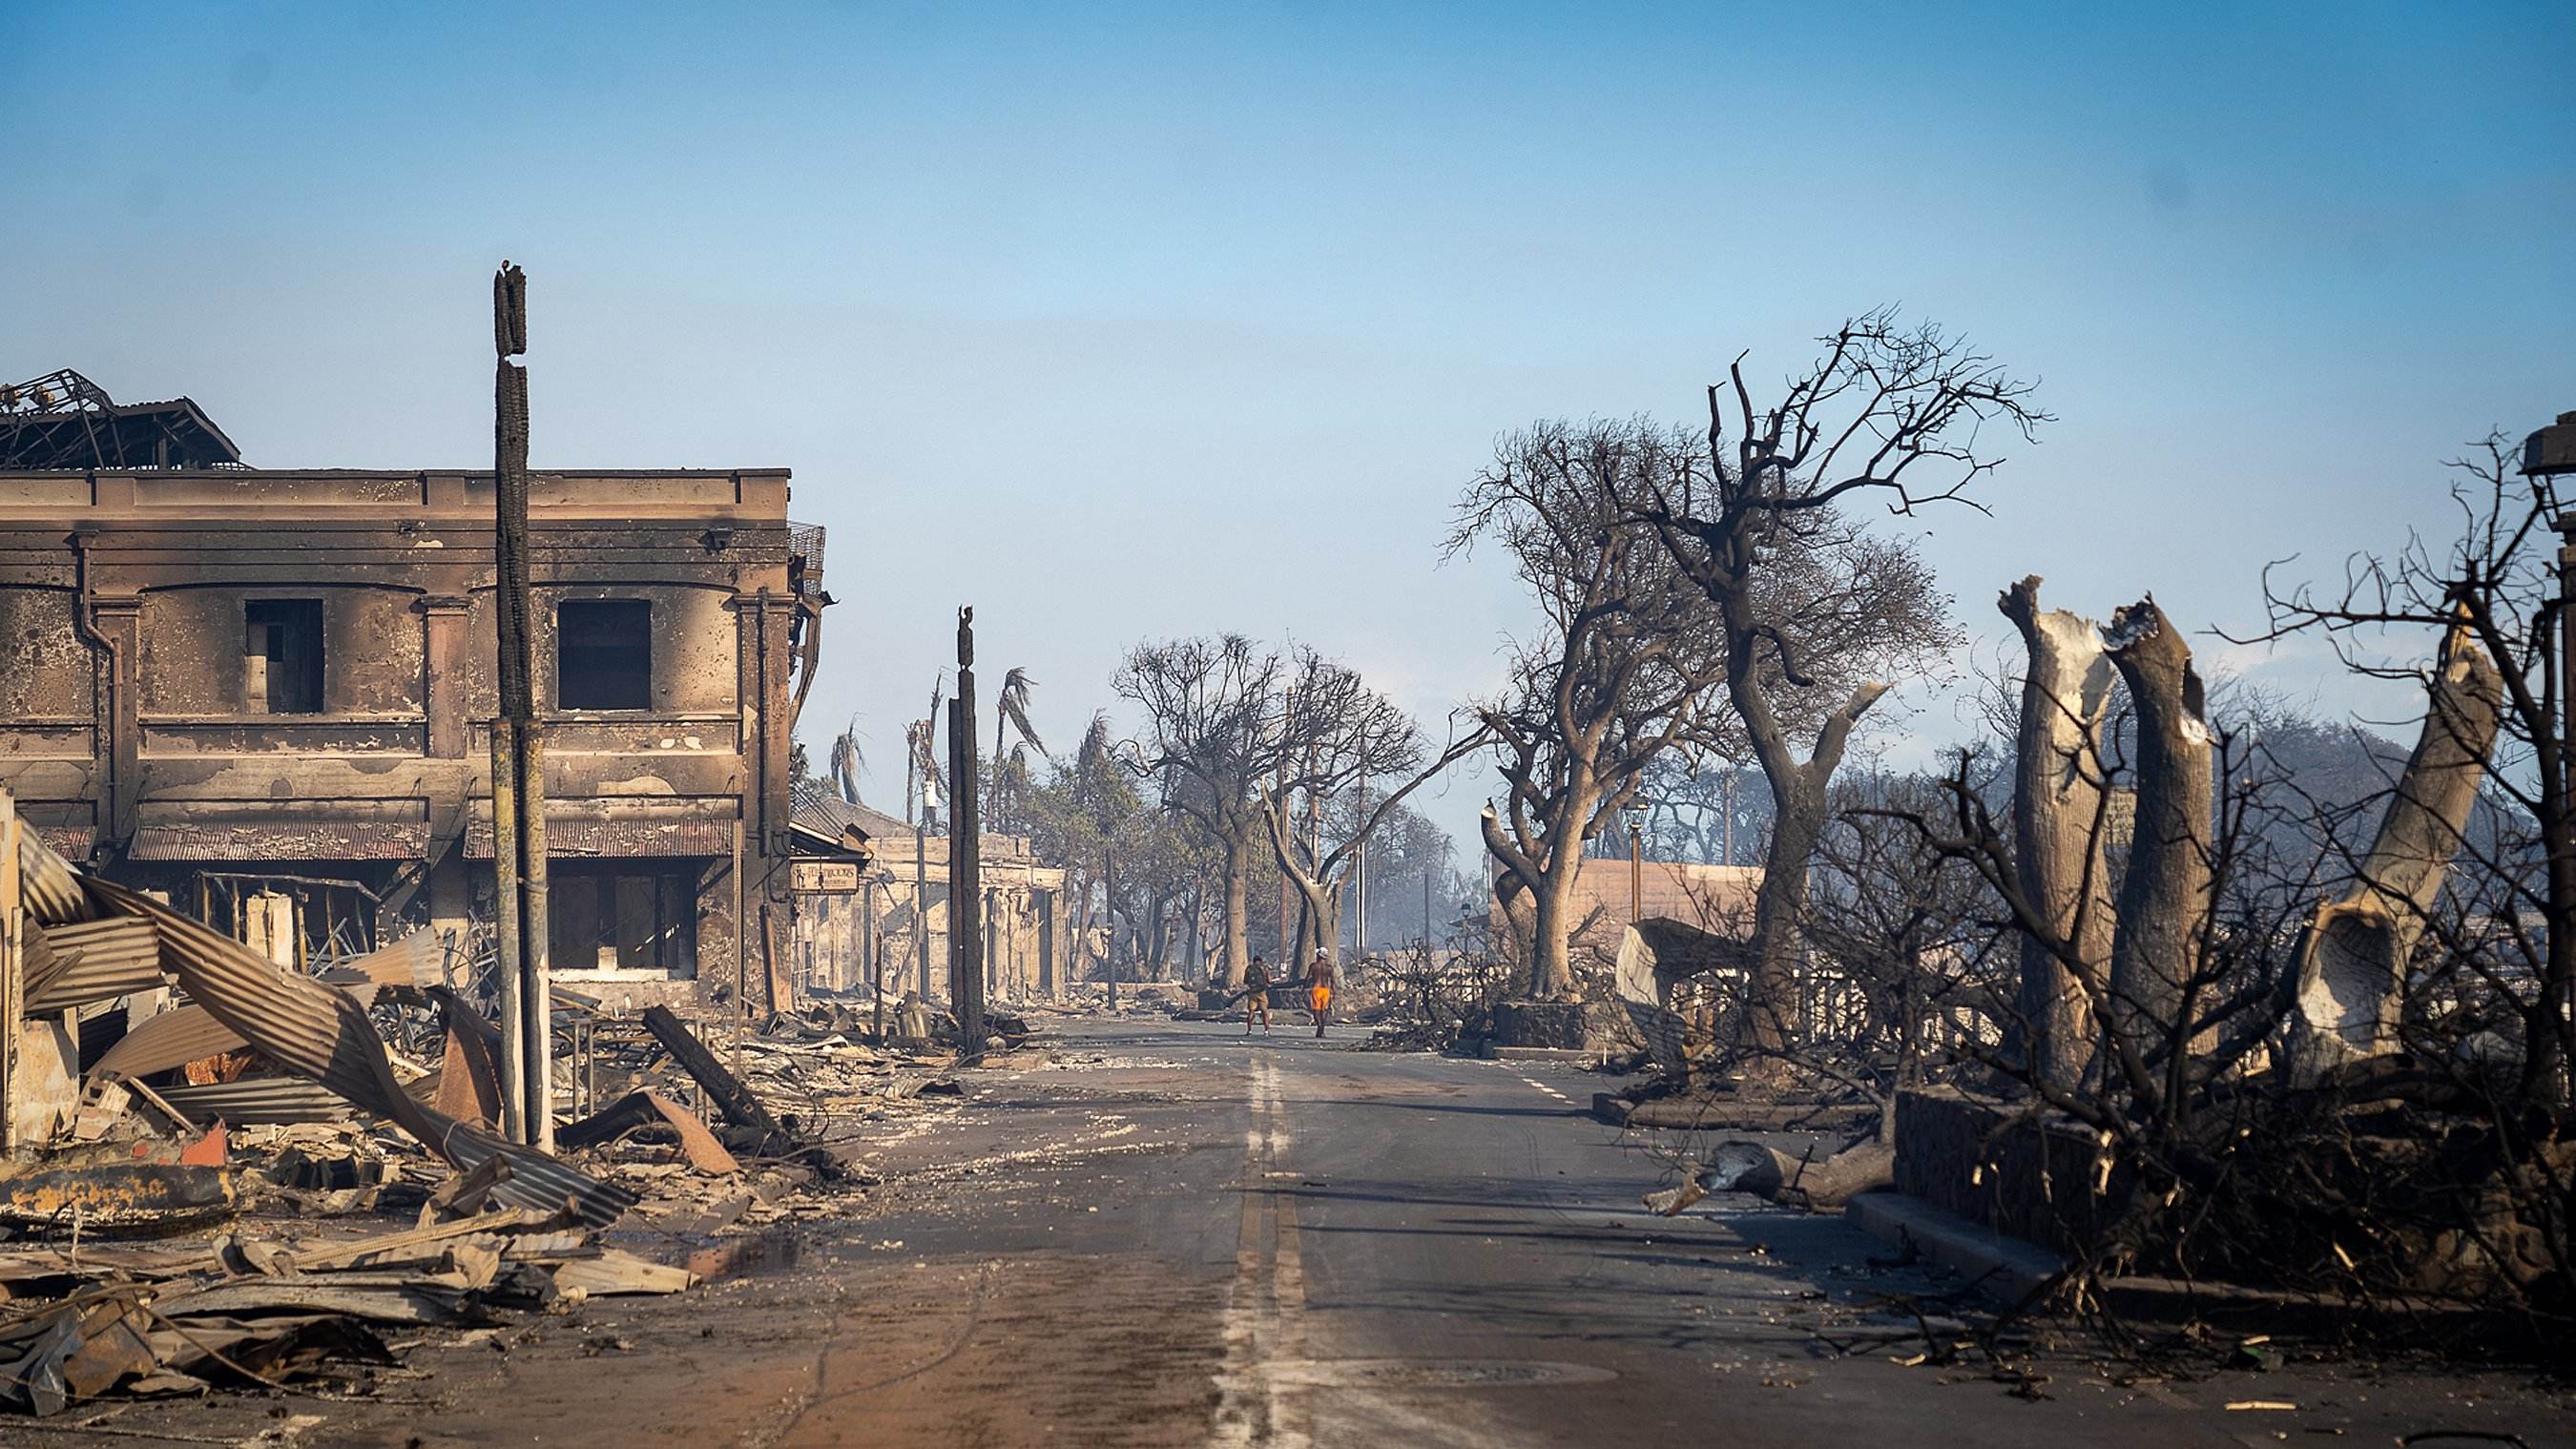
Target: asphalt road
point(1362, 1248)
point(1150, 1234)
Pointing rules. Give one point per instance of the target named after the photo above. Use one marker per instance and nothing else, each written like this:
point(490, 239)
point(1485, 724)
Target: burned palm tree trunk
point(2058, 828)
point(965, 866)
point(2352, 959)
point(518, 763)
point(2164, 895)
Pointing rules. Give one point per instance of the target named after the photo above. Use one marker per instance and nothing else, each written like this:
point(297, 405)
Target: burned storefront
point(267, 695)
point(872, 907)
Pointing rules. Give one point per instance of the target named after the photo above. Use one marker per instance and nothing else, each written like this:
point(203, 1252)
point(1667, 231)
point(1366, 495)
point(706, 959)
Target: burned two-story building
point(268, 693)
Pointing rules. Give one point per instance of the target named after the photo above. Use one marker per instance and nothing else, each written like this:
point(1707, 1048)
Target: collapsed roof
point(64, 420)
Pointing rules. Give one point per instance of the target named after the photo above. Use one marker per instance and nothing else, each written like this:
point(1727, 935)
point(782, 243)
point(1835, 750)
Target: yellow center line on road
point(1266, 1303)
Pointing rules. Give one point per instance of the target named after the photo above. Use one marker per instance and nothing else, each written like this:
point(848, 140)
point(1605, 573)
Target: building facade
point(885, 921)
point(269, 693)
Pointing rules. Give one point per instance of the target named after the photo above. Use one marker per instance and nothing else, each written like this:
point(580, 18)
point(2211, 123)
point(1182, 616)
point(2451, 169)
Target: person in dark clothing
point(1256, 995)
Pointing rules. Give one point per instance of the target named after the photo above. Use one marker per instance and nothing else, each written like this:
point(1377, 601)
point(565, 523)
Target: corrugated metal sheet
point(257, 1100)
point(169, 1041)
point(90, 961)
point(284, 840)
point(681, 836)
point(71, 842)
point(314, 1030)
point(190, 1033)
point(317, 1031)
point(47, 885)
point(411, 961)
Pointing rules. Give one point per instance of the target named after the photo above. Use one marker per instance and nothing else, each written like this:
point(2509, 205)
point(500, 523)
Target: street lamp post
point(2550, 452)
point(1633, 815)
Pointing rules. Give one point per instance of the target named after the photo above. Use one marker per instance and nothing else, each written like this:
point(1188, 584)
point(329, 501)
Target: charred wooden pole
point(13, 968)
point(921, 897)
point(965, 865)
point(518, 760)
point(872, 957)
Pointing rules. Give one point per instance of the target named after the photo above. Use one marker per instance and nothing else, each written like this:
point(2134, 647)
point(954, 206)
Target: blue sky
point(1136, 320)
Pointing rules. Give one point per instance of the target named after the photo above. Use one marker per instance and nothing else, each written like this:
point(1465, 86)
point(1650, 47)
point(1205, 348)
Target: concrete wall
point(373, 648)
point(2033, 1180)
point(50, 672)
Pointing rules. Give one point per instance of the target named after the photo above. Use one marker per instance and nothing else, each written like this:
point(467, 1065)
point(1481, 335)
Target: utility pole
point(1109, 921)
point(921, 893)
point(872, 954)
point(1287, 732)
point(965, 865)
point(1636, 881)
point(518, 758)
point(2550, 453)
point(1314, 854)
point(1359, 882)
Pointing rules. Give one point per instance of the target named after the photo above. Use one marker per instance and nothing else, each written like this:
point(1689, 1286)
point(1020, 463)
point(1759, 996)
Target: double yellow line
point(1266, 1304)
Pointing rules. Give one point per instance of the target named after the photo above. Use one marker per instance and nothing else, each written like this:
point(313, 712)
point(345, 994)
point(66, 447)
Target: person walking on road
point(1319, 988)
point(1256, 995)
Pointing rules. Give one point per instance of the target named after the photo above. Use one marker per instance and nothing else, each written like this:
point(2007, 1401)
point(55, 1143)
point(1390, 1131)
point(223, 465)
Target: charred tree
point(2353, 958)
point(2165, 890)
point(1217, 724)
point(2060, 829)
point(1815, 612)
point(1622, 670)
point(1354, 735)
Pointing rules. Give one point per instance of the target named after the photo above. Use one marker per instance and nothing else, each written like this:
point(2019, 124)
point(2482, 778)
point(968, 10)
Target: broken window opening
point(604, 654)
point(282, 656)
point(621, 916)
point(300, 922)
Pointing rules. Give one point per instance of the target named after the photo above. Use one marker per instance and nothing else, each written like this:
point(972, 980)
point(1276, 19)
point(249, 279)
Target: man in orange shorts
point(1319, 988)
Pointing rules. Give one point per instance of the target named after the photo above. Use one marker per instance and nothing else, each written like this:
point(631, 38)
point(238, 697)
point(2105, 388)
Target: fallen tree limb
point(1768, 1173)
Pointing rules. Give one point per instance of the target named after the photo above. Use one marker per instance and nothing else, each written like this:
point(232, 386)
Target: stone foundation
point(1557, 1024)
point(2034, 1181)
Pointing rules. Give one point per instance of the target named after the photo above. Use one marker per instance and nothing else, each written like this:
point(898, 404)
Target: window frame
point(641, 646)
point(669, 886)
point(300, 611)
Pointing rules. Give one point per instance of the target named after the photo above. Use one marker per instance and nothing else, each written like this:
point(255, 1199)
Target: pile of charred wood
point(247, 1186)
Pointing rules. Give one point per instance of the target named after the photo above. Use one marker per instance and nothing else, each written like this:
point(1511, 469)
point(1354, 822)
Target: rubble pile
point(1135, 998)
point(248, 1188)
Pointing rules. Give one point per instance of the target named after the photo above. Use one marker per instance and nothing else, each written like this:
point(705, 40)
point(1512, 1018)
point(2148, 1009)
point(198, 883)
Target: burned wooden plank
point(614, 1272)
point(115, 1196)
point(647, 1109)
point(740, 1105)
point(463, 1195)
